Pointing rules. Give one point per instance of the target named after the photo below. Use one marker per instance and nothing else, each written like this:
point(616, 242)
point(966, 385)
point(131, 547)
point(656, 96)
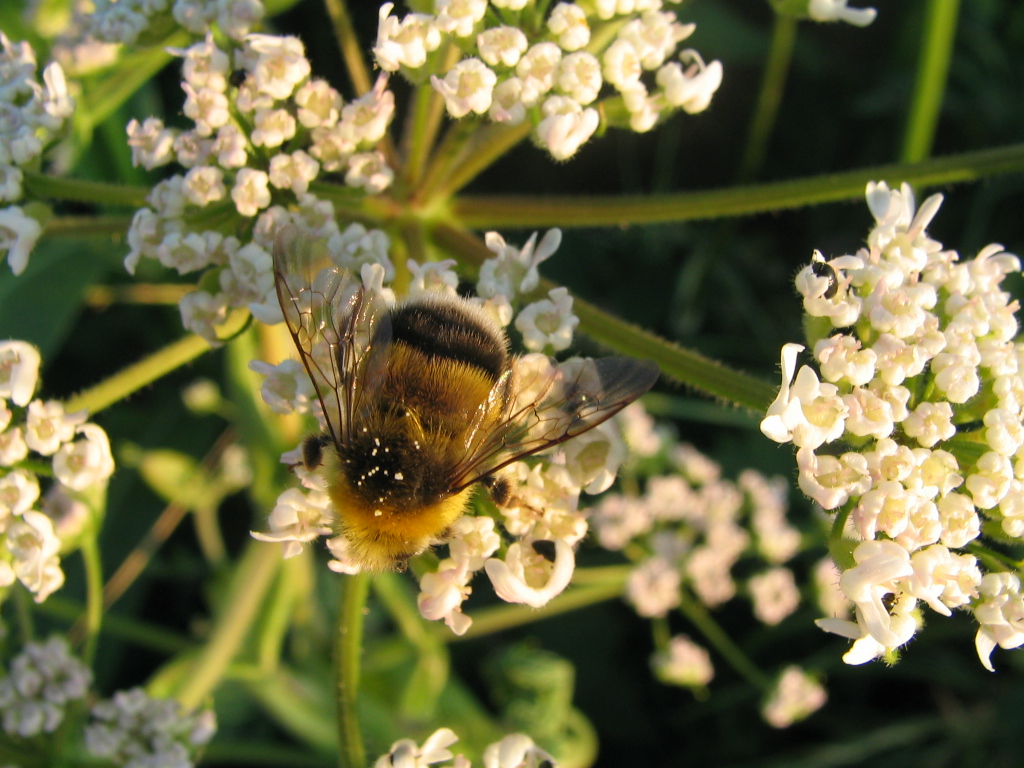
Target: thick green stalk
point(83, 191)
point(486, 146)
point(76, 226)
point(421, 131)
point(94, 595)
point(521, 212)
point(773, 85)
point(348, 42)
point(250, 582)
point(937, 36)
point(675, 362)
point(348, 652)
point(138, 375)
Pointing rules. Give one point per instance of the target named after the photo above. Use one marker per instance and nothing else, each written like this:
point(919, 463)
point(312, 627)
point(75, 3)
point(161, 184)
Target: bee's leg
point(313, 451)
point(500, 487)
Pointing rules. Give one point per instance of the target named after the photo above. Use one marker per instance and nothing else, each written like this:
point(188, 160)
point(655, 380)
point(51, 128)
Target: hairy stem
point(348, 651)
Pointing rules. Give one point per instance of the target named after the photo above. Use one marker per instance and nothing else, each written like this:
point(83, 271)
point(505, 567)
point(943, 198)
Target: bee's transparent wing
point(542, 404)
point(336, 324)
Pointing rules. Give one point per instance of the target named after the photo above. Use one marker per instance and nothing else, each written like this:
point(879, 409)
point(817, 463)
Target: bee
point(422, 401)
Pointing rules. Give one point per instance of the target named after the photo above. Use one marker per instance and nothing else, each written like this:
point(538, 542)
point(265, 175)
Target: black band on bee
point(545, 548)
point(449, 331)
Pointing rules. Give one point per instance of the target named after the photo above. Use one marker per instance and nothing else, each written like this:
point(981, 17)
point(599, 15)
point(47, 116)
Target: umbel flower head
point(911, 426)
point(548, 69)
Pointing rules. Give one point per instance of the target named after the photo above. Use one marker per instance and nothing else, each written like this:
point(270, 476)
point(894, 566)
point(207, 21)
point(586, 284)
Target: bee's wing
point(336, 324)
point(543, 404)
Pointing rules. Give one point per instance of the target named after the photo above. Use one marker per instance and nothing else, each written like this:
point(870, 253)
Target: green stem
point(137, 376)
point(487, 621)
point(722, 643)
point(937, 36)
point(675, 362)
point(348, 651)
point(773, 85)
point(522, 212)
point(75, 226)
point(486, 146)
point(83, 191)
point(250, 582)
point(93, 595)
point(348, 42)
point(421, 130)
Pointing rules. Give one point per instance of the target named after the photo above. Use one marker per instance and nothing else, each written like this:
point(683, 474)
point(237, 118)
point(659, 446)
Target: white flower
point(473, 540)
point(432, 276)
point(513, 271)
point(293, 171)
point(280, 64)
point(406, 42)
point(250, 192)
point(135, 729)
point(358, 246)
point(19, 490)
point(831, 480)
point(47, 426)
point(286, 386)
point(201, 312)
point(151, 143)
point(207, 107)
point(527, 576)
point(43, 679)
point(536, 69)
point(516, 751)
point(231, 147)
point(406, 754)
point(692, 87)
point(369, 171)
point(18, 235)
point(621, 65)
point(366, 120)
point(795, 697)
point(272, 127)
point(19, 371)
point(502, 45)
point(459, 17)
point(579, 77)
point(11, 179)
point(12, 446)
point(506, 102)
point(775, 595)
point(654, 36)
point(236, 18)
point(548, 323)
point(566, 126)
point(841, 358)
point(203, 185)
point(653, 587)
point(837, 10)
point(569, 22)
point(683, 663)
point(297, 519)
point(991, 482)
point(249, 277)
point(809, 413)
point(318, 104)
point(442, 593)
point(879, 565)
point(466, 88)
point(34, 545)
point(84, 463)
point(1000, 614)
point(204, 65)
point(960, 522)
point(943, 579)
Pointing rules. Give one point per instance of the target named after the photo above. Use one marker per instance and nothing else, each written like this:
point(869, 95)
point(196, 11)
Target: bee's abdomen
point(451, 329)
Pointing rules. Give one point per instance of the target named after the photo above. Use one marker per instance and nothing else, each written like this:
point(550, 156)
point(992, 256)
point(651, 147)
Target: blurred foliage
point(721, 287)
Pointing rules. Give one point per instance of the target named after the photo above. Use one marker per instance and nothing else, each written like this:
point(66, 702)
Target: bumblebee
point(423, 400)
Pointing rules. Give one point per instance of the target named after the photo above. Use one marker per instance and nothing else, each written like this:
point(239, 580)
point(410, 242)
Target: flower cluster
point(32, 115)
point(687, 532)
point(123, 21)
point(514, 751)
point(543, 511)
point(914, 430)
point(32, 529)
point(514, 65)
point(794, 697)
point(264, 130)
point(42, 680)
point(134, 730)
